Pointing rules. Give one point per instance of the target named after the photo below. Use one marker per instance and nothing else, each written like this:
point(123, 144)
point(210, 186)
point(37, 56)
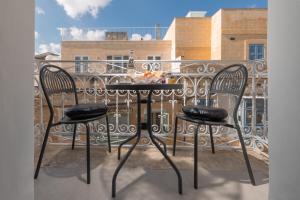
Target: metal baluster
point(253, 122)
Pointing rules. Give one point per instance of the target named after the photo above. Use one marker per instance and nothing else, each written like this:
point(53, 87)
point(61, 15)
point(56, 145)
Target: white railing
point(196, 77)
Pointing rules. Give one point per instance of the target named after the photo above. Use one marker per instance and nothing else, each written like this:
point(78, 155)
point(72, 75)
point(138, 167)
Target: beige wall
point(193, 38)
point(99, 50)
point(209, 38)
point(171, 36)
point(247, 26)
point(216, 36)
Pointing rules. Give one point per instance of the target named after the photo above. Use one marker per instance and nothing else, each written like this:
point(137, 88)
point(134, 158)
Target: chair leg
point(37, 170)
point(74, 135)
point(108, 134)
point(196, 158)
point(175, 136)
point(88, 177)
point(211, 140)
point(245, 155)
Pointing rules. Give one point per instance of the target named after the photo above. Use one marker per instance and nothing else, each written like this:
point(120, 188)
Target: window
point(260, 108)
point(153, 66)
point(256, 51)
point(117, 67)
point(81, 67)
point(205, 102)
point(153, 58)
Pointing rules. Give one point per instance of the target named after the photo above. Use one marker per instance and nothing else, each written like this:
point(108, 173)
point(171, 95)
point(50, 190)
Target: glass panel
point(77, 64)
point(116, 64)
point(260, 51)
point(125, 64)
point(85, 64)
point(256, 51)
point(117, 67)
point(205, 102)
point(248, 112)
point(108, 65)
point(252, 52)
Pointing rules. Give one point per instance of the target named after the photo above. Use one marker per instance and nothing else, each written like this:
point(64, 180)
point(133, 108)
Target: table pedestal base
point(153, 139)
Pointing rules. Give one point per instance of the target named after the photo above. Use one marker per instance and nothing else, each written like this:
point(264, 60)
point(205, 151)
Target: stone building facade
point(229, 34)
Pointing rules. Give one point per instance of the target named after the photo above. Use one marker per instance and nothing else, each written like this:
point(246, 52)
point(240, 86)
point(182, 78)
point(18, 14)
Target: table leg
point(138, 135)
point(124, 142)
point(152, 137)
point(161, 142)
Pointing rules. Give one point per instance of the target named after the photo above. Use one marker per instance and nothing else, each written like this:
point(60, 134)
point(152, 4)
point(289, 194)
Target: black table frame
point(153, 138)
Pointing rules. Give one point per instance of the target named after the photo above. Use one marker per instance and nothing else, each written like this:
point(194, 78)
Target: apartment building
point(229, 34)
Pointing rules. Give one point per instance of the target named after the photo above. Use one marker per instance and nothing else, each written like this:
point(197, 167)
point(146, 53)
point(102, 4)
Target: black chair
point(55, 80)
point(231, 81)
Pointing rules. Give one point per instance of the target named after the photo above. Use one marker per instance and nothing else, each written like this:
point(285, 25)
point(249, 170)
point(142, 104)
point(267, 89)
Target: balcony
point(218, 174)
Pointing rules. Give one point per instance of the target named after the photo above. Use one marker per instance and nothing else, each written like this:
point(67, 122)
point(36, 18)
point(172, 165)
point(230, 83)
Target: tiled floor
point(148, 176)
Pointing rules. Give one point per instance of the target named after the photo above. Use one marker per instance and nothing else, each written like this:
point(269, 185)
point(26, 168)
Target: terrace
point(146, 175)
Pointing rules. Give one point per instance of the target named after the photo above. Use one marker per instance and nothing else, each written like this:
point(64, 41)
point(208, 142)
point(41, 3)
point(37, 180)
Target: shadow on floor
point(146, 175)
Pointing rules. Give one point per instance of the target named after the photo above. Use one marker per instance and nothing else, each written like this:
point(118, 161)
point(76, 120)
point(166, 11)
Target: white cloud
point(136, 36)
point(51, 47)
point(36, 35)
point(75, 33)
point(39, 11)
point(77, 8)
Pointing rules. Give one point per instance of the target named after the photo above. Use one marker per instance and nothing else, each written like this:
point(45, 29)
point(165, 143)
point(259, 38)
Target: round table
point(153, 138)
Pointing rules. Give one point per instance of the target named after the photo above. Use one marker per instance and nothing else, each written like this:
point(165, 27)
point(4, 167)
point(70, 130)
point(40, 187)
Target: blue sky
point(52, 14)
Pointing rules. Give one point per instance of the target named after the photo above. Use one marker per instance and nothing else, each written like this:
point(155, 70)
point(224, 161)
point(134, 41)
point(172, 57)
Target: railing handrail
point(117, 27)
point(173, 61)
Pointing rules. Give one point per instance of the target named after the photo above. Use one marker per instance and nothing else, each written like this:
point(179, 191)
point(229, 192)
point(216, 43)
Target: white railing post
point(254, 92)
point(265, 121)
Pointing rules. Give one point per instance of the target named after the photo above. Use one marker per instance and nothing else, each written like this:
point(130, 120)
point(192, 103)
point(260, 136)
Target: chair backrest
point(55, 80)
point(231, 80)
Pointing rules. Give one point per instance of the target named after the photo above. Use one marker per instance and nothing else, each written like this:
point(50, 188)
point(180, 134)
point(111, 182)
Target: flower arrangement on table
point(150, 77)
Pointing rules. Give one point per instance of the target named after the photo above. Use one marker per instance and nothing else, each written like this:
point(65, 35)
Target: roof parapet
point(196, 14)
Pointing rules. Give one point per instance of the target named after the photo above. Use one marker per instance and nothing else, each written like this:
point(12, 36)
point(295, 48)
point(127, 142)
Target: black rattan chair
point(55, 80)
point(232, 81)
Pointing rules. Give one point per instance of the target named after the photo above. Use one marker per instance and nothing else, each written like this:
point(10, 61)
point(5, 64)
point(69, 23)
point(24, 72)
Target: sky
point(76, 15)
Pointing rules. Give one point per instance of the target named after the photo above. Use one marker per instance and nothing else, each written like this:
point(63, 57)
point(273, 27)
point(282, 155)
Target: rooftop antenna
point(157, 31)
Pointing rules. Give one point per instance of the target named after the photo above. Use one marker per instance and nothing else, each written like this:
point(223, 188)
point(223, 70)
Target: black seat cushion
point(86, 111)
point(205, 113)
